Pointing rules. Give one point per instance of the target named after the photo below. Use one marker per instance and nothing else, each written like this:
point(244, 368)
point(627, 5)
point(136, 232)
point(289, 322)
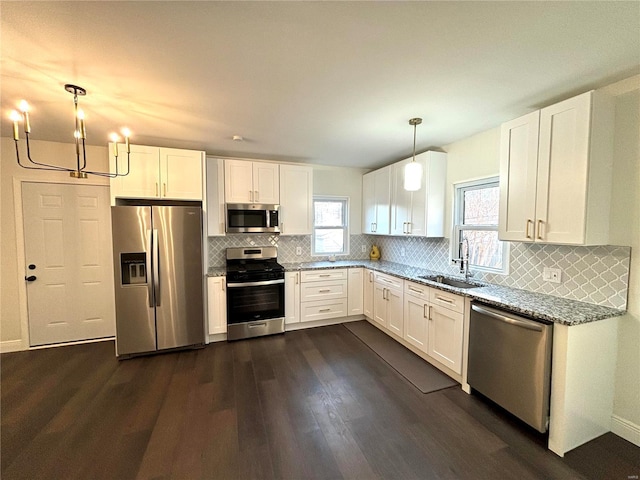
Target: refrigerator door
point(177, 265)
point(135, 314)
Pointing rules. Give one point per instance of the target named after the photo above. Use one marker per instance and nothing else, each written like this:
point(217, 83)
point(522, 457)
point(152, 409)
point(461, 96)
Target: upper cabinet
point(251, 182)
point(419, 213)
point(376, 199)
point(555, 173)
point(296, 200)
point(158, 173)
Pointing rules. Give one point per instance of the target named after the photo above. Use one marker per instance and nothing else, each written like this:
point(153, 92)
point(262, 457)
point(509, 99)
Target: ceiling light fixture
point(80, 135)
point(413, 169)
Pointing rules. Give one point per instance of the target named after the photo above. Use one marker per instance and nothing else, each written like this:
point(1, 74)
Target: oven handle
point(254, 284)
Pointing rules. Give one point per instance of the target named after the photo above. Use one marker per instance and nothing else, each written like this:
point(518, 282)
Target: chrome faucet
point(464, 260)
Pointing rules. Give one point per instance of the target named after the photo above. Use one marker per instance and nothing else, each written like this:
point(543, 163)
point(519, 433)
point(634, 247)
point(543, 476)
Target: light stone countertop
point(534, 305)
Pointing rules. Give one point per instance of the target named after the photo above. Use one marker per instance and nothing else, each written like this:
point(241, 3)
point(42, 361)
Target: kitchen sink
point(450, 281)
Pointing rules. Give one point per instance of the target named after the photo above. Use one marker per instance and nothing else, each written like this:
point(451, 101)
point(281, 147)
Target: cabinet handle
point(540, 222)
point(324, 310)
point(446, 300)
point(222, 285)
point(429, 314)
point(164, 189)
point(157, 192)
point(384, 290)
point(413, 289)
point(529, 222)
point(281, 227)
point(324, 275)
point(297, 278)
point(409, 228)
point(370, 277)
point(375, 227)
point(324, 291)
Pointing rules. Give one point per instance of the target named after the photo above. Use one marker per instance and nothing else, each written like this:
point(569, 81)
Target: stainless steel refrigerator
point(157, 252)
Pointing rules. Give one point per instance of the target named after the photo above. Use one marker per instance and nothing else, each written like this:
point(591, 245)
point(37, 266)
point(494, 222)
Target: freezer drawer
point(510, 362)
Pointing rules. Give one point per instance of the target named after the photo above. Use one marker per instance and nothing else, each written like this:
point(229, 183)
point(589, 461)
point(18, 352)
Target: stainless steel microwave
point(252, 218)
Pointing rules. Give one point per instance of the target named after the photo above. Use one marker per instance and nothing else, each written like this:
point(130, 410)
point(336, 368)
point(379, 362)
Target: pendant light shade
point(413, 169)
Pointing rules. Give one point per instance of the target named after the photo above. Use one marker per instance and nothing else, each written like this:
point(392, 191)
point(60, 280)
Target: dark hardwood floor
point(308, 404)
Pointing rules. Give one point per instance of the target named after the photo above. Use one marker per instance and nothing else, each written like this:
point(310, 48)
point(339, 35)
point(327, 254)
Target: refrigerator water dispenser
point(134, 268)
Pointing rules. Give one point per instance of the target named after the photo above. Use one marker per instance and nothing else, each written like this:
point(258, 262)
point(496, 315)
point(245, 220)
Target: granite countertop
point(535, 305)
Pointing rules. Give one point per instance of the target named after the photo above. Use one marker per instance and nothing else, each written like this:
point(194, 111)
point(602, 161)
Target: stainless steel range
point(255, 292)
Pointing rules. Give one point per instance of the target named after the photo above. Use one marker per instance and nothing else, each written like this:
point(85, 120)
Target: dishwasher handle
point(518, 322)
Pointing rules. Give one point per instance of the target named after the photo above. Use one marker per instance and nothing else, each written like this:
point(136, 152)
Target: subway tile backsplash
point(598, 275)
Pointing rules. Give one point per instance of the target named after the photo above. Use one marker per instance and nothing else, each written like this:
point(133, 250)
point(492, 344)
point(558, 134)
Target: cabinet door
point(266, 183)
point(445, 337)
point(368, 293)
point(518, 172)
point(395, 304)
point(380, 304)
point(561, 199)
point(238, 181)
point(296, 200)
point(144, 172)
point(355, 292)
point(216, 305)
point(400, 200)
point(416, 322)
point(292, 297)
point(383, 200)
point(181, 174)
point(215, 197)
point(427, 208)
point(368, 203)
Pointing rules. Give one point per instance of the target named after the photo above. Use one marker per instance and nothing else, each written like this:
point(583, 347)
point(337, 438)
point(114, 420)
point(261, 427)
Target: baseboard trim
point(11, 346)
point(626, 429)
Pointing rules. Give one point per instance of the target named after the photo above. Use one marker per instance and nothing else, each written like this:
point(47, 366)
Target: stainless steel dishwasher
point(510, 362)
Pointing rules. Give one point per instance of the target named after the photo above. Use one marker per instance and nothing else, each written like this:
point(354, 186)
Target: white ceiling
point(322, 82)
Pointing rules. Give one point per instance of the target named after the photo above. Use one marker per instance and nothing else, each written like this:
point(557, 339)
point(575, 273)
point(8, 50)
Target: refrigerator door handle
point(149, 258)
point(156, 267)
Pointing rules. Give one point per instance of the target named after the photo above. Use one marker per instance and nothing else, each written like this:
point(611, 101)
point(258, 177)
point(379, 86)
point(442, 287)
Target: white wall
point(13, 294)
point(343, 182)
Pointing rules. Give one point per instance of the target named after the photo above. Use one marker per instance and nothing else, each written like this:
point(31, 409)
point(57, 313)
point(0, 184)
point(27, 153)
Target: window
point(330, 229)
point(476, 207)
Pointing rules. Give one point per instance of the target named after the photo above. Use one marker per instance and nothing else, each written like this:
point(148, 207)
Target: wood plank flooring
point(309, 404)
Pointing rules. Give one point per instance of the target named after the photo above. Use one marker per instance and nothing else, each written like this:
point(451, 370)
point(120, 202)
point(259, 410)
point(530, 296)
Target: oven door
point(251, 301)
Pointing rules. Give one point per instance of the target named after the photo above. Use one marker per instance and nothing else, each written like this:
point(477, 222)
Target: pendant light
point(413, 169)
point(80, 135)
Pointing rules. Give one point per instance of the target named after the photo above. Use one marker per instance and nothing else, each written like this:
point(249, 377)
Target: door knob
point(30, 278)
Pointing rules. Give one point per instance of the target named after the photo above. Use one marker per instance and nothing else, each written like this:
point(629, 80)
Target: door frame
point(22, 265)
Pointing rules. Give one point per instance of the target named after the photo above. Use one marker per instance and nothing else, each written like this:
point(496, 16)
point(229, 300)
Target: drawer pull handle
point(415, 289)
point(325, 275)
point(324, 291)
point(324, 310)
point(446, 300)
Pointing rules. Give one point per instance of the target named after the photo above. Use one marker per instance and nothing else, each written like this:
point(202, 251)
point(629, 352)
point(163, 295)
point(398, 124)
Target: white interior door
point(67, 232)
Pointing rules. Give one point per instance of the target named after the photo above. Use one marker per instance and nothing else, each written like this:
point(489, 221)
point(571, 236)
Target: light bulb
point(114, 137)
point(412, 176)
point(24, 106)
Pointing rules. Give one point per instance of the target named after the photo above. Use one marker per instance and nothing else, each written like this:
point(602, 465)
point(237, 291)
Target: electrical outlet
point(298, 250)
point(553, 275)
point(364, 249)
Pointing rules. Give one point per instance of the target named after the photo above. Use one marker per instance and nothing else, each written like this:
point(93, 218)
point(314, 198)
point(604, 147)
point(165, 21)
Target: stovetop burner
point(253, 264)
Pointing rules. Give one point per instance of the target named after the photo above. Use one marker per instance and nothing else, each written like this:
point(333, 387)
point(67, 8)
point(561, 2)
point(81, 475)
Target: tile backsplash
point(598, 275)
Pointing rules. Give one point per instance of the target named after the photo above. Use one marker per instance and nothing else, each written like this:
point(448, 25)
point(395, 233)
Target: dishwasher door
point(510, 362)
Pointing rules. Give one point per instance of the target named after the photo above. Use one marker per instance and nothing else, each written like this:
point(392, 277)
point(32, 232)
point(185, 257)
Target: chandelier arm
point(41, 165)
point(84, 157)
point(111, 174)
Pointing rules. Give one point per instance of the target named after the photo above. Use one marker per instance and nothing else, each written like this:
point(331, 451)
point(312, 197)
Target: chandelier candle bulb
point(15, 118)
point(24, 108)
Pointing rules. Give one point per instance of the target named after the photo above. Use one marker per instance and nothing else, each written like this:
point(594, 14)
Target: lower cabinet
point(292, 297)
point(217, 305)
point(445, 337)
point(323, 294)
point(355, 294)
point(416, 315)
point(388, 302)
point(367, 296)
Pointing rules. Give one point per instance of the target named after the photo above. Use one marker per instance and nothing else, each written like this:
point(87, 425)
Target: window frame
point(459, 190)
point(344, 226)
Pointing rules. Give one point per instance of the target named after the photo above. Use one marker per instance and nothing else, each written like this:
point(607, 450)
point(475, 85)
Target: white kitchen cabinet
point(555, 173)
point(445, 337)
point(368, 293)
point(292, 297)
point(376, 200)
point(216, 305)
point(296, 200)
point(416, 314)
point(388, 302)
point(157, 173)
point(419, 213)
point(355, 291)
point(215, 197)
point(251, 182)
point(323, 294)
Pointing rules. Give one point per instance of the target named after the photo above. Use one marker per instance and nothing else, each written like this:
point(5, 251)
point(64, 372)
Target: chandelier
point(80, 135)
point(413, 169)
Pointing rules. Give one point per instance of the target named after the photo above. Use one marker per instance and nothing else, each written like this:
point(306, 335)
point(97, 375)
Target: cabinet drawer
point(319, 275)
point(310, 311)
point(447, 300)
point(416, 290)
point(323, 290)
point(388, 280)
